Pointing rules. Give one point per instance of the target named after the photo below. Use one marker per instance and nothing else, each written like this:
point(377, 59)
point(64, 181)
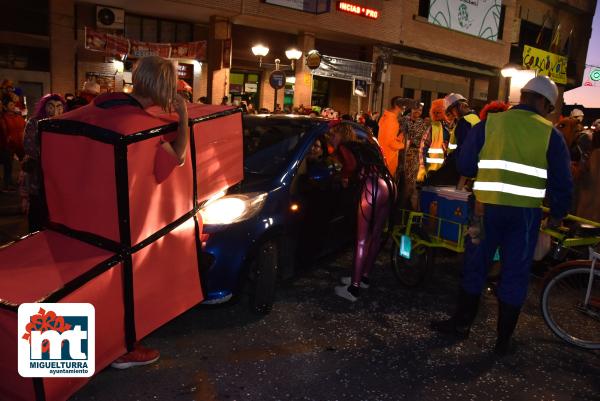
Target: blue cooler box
point(447, 203)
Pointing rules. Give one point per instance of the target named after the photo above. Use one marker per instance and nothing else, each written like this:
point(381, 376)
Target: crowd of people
point(512, 159)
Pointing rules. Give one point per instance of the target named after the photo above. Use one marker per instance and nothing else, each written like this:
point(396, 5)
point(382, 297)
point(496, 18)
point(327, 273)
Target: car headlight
point(232, 208)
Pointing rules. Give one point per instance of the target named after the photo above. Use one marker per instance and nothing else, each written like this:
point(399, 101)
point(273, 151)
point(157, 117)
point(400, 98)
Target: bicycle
point(570, 301)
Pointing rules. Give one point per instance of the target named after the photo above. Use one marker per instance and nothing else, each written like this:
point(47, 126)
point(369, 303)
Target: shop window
point(167, 31)
point(501, 22)
point(133, 27)
point(184, 32)
point(426, 99)
point(409, 93)
point(244, 86)
point(24, 58)
point(149, 30)
point(424, 8)
point(26, 16)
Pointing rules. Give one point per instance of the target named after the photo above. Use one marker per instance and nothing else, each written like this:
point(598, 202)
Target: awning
point(440, 62)
point(343, 68)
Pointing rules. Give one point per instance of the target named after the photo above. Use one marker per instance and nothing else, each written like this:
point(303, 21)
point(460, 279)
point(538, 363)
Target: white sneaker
point(347, 280)
point(342, 291)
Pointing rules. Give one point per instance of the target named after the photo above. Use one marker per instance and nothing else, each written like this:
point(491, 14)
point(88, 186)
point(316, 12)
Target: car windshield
point(270, 142)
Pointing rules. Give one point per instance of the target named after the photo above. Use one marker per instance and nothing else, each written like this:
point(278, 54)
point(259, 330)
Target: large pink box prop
point(118, 237)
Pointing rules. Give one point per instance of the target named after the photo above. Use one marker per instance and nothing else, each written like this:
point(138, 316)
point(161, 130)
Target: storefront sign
point(143, 49)
point(95, 41)
point(116, 46)
point(226, 53)
point(309, 6)
point(185, 71)
point(357, 10)
point(343, 68)
point(106, 81)
point(194, 50)
point(475, 17)
point(591, 77)
point(250, 88)
point(545, 63)
point(277, 79)
point(119, 47)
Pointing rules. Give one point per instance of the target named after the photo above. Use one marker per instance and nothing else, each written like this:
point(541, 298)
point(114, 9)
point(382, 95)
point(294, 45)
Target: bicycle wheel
point(563, 307)
point(411, 272)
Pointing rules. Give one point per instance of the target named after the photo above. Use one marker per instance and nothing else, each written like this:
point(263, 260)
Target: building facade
point(43, 48)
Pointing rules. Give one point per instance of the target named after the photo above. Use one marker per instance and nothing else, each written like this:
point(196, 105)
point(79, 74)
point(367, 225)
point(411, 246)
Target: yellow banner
point(546, 63)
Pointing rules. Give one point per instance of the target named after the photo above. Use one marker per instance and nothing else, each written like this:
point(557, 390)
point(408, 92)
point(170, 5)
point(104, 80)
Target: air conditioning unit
point(110, 18)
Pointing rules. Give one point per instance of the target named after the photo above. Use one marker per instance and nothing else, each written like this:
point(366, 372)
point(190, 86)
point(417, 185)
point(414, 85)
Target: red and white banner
point(116, 46)
point(119, 47)
point(195, 50)
point(143, 49)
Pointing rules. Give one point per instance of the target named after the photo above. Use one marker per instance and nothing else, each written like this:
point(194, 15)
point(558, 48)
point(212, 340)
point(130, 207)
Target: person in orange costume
point(438, 120)
point(391, 139)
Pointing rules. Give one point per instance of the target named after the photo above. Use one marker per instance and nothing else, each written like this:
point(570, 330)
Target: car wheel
point(263, 277)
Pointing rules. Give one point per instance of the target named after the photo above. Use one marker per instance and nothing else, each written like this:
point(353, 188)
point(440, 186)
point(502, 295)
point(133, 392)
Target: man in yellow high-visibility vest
point(458, 107)
point(516, 156)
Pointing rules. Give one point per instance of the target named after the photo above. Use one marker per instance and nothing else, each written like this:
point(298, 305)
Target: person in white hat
point(458, 107)
point(516, 156)
point(577, 114)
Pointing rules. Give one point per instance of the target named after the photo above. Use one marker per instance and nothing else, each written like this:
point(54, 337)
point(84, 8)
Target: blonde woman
point(154, 84)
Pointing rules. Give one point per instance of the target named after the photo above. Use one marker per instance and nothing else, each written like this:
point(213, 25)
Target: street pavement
point(316, 346)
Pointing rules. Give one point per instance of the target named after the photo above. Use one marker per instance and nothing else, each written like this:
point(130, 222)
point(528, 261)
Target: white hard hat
point(544, 86)
point(576, 113)
point(453, 98)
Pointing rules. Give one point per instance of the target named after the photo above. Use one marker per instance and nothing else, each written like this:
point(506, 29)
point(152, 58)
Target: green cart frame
point(419, 235)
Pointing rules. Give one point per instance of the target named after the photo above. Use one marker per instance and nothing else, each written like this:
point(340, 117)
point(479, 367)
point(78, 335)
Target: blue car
point(289, 210)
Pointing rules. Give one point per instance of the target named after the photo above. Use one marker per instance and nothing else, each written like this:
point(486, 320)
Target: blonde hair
point(155, 78)
point(346, 132)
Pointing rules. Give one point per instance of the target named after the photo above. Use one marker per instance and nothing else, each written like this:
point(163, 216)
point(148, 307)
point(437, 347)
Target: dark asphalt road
point(315, 346)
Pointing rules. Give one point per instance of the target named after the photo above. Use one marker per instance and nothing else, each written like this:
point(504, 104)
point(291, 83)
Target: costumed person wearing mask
point(391, 139)
point(49, 106)
point(434, 144)
point(516, 156)
point(362, 165)
point(415, 129)
point(12, 125)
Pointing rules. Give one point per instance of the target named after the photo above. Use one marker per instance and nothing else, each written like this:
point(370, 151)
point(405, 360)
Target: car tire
point(263, 278)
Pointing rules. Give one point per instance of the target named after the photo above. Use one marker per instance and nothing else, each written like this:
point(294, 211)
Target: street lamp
point(293, 55)
point(260, 51)
point(277, 78)
point(510, 70)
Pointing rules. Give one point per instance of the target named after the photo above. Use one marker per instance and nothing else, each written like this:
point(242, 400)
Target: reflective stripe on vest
point(513, 165)
point(435, 153)
point(471, 119)
point(510, 189)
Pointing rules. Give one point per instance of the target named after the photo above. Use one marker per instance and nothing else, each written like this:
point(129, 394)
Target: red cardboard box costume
point(123, 222)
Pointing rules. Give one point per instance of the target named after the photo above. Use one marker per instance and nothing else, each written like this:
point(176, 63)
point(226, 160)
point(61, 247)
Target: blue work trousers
point(515, 231)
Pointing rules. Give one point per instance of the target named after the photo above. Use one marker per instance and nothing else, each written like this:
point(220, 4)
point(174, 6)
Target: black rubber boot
point(459, 325)
point(508, 315)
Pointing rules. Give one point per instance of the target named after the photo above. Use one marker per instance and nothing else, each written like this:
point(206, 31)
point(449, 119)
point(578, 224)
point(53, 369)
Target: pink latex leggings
point(370, 225)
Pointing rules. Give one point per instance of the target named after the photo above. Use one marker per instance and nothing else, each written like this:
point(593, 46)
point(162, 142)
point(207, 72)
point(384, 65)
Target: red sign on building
point(357, 10)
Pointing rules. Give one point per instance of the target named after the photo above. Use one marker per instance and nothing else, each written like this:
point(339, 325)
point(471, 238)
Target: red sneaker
point(138, 357)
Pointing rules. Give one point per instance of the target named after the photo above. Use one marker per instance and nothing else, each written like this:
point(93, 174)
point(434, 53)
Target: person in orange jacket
point(391, 138)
